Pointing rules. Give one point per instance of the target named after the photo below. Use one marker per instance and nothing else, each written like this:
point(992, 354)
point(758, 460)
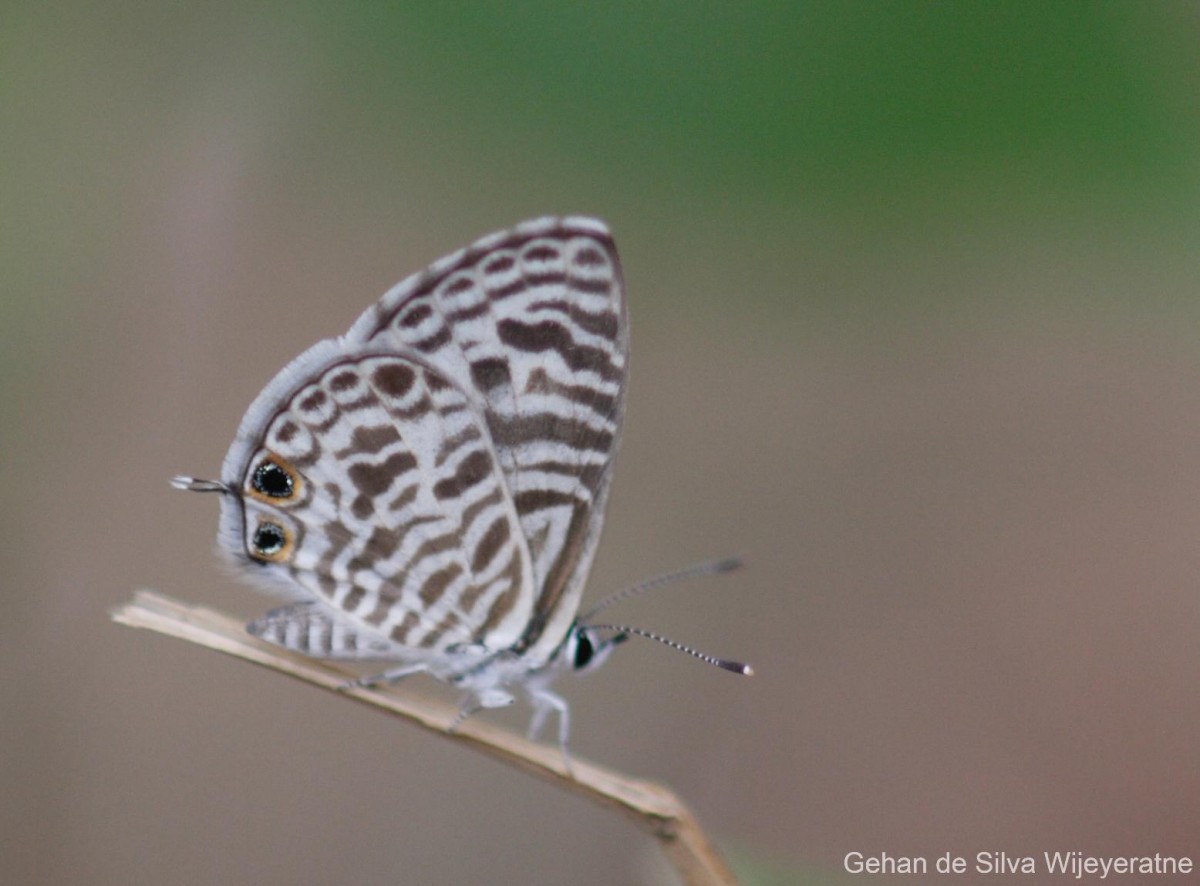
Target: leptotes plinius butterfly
point(429, 487)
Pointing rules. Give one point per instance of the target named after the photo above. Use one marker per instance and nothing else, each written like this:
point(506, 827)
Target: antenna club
point(736, 667)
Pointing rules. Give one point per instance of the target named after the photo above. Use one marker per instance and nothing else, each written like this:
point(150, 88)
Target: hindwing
point(371, 482)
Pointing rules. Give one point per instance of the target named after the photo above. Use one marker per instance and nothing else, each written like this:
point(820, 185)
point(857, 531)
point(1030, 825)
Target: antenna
point(713, 567)
point(194, 484)
point(734, 666)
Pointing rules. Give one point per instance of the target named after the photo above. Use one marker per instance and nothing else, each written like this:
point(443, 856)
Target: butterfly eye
point(584, 650)
point(270, 541)
point(272, 480)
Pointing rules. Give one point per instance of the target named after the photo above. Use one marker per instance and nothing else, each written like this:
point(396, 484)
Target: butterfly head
point(585, 650)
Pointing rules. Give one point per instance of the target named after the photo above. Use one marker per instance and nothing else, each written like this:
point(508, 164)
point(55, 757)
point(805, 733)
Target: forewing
point(370, 482)
point(532, 324)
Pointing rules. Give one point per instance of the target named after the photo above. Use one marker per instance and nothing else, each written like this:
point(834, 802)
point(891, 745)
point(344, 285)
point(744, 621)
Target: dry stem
point(652, 806)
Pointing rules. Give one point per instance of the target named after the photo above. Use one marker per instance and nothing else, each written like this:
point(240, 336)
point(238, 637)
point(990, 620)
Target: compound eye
point(271, 542)
point(275, 481)
point(584, 650)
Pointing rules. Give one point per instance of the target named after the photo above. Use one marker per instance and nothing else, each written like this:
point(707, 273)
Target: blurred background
point(915, 331)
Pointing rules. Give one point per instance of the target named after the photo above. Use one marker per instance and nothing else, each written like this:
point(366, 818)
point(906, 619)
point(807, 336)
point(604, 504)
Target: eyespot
point(270, 479)
point(270, 542)
point(274, 481)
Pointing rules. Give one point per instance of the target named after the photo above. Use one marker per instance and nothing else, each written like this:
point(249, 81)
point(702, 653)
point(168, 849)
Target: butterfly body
point(428, 489)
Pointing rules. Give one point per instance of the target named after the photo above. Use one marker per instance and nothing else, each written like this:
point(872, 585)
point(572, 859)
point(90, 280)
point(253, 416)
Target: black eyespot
point(269, 539)
point(584, 650)
point(272, 480)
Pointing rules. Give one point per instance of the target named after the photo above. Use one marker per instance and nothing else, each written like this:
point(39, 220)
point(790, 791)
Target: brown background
point(937, 382)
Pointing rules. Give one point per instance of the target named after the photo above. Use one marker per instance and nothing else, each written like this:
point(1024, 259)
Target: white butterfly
point(429, 488)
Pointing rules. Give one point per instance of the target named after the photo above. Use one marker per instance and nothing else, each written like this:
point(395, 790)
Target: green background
point(915, 330)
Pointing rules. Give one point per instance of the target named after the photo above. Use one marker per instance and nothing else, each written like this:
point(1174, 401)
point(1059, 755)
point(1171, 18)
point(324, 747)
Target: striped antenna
point(712, 567)
point(492, 382)
point(734, 666)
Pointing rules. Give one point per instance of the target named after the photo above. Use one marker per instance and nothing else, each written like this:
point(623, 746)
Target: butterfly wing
point(532, 323)
point(368, 482)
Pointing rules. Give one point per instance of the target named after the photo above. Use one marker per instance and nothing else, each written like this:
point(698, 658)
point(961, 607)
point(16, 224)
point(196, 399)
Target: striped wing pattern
point(397, 515)
point(533, 322)
point(437, 476)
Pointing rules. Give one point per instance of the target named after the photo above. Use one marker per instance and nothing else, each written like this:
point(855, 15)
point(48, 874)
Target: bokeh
point(915, 332)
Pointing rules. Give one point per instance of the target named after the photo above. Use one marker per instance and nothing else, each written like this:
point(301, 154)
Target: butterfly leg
point(388, 677)
point(537, 721)
point(487, 698)
point(543, 702)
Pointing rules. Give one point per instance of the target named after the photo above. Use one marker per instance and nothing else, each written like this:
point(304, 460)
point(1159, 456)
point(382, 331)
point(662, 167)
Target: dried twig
point(652, 806)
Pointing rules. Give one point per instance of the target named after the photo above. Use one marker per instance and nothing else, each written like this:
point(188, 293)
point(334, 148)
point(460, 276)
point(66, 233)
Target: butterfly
point(428, 489)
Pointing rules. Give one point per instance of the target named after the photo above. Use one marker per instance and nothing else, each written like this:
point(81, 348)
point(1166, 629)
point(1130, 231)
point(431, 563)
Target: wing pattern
point(533, 323)
point(376, 488)
point(438, 475)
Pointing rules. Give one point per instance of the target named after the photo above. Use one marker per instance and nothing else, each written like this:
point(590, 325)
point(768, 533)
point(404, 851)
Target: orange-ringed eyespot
point(269, 539)
point(273, 481)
